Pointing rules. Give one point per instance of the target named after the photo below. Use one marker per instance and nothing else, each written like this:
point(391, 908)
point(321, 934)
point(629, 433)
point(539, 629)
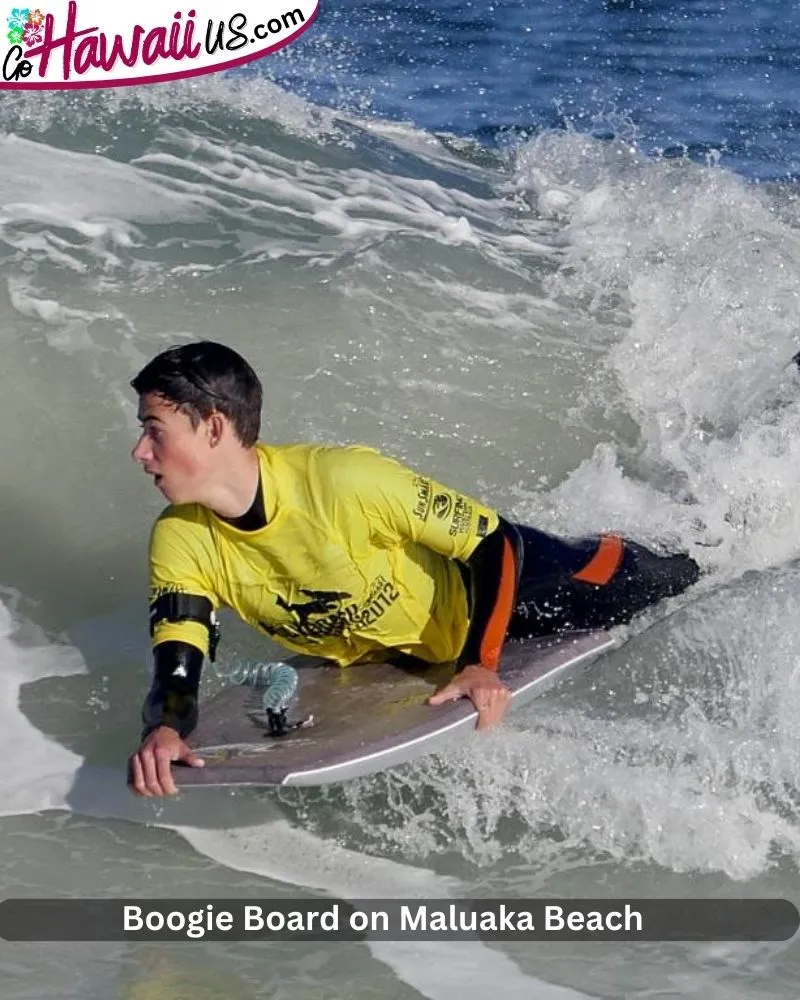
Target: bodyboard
point(366, 717)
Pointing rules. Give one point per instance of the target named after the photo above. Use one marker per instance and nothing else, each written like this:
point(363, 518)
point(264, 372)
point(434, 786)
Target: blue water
point(689, 78)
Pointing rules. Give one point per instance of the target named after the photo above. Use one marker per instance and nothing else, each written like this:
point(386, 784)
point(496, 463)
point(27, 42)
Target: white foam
point(447, 968)
point(66, 328)
point(294, 856)
point(358, 206)
point(89, 193)
point(437, 970)
point(692, 278)
point(684, 754)
point(598, 495)
point(39, 771)
point(82, 214)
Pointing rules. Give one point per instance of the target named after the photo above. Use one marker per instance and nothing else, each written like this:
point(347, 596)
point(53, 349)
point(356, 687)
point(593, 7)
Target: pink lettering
point(85, 55)
point(188, 49)
point(106, 59)
point(153, 47)
point(99, 52)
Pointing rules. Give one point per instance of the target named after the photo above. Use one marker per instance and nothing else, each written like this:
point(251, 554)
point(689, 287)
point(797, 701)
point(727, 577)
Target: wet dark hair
point(205, 377)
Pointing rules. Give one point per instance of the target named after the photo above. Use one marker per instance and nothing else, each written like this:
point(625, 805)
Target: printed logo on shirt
point(322, 602)
point(327, 615)
point(442, 505)
point(483, 526)
point(423, 504)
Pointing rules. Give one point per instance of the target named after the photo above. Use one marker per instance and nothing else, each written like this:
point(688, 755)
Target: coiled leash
point(280, 682)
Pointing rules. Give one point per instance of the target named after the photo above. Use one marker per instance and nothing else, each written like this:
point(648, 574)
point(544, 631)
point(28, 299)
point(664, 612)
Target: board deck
point(366, 717)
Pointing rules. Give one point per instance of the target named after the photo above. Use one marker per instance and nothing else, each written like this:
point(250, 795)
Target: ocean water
point(548, 253)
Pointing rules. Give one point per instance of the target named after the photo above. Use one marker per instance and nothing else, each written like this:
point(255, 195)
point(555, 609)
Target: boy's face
point(176, 454)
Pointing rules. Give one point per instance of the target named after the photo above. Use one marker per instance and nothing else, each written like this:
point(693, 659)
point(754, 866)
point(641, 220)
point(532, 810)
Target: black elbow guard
point(172, 699)
point(178, 607)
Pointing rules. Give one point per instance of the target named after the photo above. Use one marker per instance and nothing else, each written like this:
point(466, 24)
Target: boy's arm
point(183, 628)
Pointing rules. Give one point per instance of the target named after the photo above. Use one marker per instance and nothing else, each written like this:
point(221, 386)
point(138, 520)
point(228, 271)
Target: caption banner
point(399, 920)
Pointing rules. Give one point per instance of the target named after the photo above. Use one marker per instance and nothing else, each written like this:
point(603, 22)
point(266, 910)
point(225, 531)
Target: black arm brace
point(172, 699)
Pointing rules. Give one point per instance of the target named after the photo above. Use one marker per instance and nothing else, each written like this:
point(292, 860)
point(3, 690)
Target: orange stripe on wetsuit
point(604, 563)
point(494, 575)
point(495, 632)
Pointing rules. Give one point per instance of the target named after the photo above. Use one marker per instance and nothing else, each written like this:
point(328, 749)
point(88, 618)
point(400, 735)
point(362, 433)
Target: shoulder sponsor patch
point(462, 517)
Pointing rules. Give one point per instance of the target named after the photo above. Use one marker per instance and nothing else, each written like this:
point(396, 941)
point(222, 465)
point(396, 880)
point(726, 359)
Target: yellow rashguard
point(356, 557)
